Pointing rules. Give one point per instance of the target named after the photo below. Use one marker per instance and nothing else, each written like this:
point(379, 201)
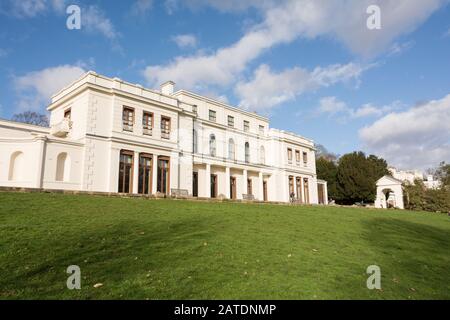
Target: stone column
point(208, 181)
point(260, 187)
point(245, 177)
point(135, 173)
point(227, 183)
point(325, 189)
point(154, 173)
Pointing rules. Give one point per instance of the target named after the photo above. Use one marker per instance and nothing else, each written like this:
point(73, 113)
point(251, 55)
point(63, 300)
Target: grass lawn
point(166, 249)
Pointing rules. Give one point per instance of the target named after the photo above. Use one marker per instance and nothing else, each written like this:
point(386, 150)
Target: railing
point(62, 128)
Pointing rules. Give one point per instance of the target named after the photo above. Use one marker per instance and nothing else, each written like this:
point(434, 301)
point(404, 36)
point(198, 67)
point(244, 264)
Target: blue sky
point(313, 67)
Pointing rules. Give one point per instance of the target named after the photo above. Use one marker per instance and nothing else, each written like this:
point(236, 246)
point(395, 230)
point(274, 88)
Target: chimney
point(167, 88)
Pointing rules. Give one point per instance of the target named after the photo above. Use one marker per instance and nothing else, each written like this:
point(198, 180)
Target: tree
point(442, 174)
point(31, 117)
point(327, 170)
point(357, 176)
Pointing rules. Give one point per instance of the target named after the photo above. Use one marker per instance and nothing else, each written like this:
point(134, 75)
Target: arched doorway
point(389, 200)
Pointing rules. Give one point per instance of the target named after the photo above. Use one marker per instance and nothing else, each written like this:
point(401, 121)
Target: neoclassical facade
point(107, 135)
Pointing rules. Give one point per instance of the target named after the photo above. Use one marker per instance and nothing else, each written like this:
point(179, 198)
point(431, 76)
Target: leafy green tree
point(418, 197)
point(443, 174)
point(327, 170)
point(357, 176)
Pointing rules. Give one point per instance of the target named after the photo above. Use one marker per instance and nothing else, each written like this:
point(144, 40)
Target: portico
point(229, 182)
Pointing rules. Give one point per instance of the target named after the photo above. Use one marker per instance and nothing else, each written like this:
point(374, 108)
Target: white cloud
point(268, 89)
point(94, 20)
point(333, 106)
point(31, 8)
point(141, 7)
point(398, 48)
point(416, 138)
point(35, 88)
point(221, 5)
point(285, 21)
point(185, 40)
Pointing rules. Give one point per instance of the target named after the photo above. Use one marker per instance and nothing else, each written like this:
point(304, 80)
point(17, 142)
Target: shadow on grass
point(123, 255)
point(412, 255)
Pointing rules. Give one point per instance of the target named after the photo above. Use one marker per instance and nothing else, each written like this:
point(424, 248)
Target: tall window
point(246, 126)
point(231, 121)
point(306, 190)
point(68, 114)
point(145, 174)
point(127, 119)
point(125, 171)
point(231, 150)
point(261, 130)
point(147, 123)
point(297, 156)
point(289, 154)
point(299, 189)
point(249, 186)
point(305, 158)
point(291, 186)
point(195, 141)
point(212, 116)
point(247, 152)
point(63, 167)
point(16, 166)
point(212, 145)
point(163, 175)
point(165, 127)
point(262, 155)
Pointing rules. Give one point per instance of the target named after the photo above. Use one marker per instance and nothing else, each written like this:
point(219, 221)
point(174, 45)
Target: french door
point(299, 189)
point(233, 187)
point(145, 174)
point(125, 172)
point(163, 175)
point(213, 186)
point(195, 184)
point(265, 190)
point(306, 189)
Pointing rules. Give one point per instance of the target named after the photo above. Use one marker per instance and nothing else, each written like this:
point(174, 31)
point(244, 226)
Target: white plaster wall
point(29, 165)
point(75, 154)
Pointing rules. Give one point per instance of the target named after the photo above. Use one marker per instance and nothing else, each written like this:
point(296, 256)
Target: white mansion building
point(107, 135)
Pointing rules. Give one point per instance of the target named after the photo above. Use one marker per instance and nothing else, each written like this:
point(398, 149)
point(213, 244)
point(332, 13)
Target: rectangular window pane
point(127, 119)
point(261, 129)
point(165, 128)
point(212, 115)
point(246, 126)
point(230, 121)
point(147, 123)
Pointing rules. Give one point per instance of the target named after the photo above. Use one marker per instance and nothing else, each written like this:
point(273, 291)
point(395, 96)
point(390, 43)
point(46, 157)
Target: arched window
point(195, 143)
point(16, 166)
point(247, 152)
point(231, 150)
point(262, 155)
point(212, 145)
point(63, 167)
